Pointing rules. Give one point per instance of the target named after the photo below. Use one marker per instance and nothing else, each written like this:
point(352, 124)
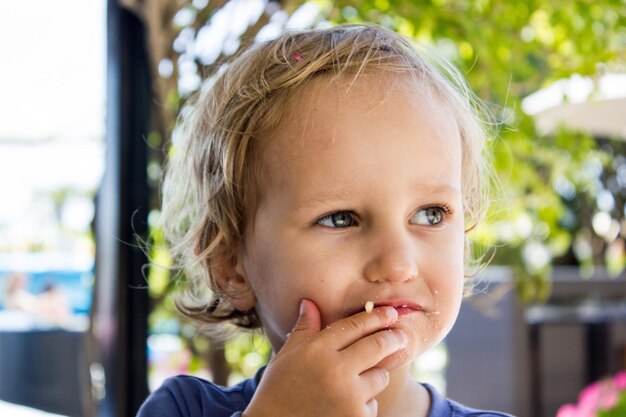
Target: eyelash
point(352, 213)
point(446, 211)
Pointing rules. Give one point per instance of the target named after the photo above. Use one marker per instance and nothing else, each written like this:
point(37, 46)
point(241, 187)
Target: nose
point(392, 259)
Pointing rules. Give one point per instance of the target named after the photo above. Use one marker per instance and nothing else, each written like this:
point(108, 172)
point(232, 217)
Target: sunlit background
point(51, 145)
point(52, 129)
point(558, 95)
point(52, 80)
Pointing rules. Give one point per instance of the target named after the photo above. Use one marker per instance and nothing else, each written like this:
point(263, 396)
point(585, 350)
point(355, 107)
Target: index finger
point(347, 331)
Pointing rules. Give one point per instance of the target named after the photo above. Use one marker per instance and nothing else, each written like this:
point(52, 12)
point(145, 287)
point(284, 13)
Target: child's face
point(361, 201)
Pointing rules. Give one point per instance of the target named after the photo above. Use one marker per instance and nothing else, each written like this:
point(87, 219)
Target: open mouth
point(403, 309)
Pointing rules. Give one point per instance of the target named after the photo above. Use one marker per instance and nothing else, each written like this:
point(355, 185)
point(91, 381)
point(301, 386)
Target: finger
point(372, 349)
point(373, 382)
point(307, 325)
point(372, 407)
point(343, 333)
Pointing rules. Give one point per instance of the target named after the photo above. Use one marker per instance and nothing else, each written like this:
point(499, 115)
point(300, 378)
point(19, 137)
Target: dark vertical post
point(599, 353)
point(534, 351)
point(121, 301)
point(217, 362)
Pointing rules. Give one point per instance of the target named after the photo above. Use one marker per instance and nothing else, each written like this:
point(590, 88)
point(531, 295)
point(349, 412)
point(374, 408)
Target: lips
point(402, 307)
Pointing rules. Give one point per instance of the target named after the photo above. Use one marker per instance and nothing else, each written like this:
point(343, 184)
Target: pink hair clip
point(296, 55)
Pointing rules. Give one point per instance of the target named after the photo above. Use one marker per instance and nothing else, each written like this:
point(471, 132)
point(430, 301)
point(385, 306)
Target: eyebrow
point(438, 188)
point(345, 194)
point(325, 198)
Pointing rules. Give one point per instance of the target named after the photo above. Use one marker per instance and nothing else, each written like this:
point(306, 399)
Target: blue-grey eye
point(429, 216)
point(338, 219)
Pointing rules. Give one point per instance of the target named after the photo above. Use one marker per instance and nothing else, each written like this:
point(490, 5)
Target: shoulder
point(187, 396)
point(444, 407)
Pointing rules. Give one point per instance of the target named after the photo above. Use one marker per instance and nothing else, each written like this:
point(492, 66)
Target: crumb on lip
point(369, 306)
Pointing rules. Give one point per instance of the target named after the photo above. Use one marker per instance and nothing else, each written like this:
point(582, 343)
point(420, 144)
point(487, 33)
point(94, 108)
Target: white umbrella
point(596, 106)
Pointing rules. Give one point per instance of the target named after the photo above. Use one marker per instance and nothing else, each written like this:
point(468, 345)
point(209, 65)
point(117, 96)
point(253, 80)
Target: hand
point(329, 372)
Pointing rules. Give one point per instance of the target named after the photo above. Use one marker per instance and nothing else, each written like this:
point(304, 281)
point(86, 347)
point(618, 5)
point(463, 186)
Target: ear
point(230, 276)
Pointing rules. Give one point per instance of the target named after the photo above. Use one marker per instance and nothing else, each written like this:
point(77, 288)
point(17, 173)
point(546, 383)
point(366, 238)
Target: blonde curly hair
point(211, 187)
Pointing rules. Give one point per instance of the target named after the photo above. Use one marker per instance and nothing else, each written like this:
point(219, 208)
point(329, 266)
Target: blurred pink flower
point(620, 380)
point(602, 395)
point(589, 397)
point(599, 396)
point(568, 410)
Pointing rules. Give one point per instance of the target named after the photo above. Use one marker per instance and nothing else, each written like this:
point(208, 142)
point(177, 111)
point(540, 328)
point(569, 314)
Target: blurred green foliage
point(561, 197)
point(507, 51)
point(246, 353)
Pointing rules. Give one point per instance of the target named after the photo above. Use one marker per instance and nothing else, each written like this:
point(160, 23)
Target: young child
point(321, 172)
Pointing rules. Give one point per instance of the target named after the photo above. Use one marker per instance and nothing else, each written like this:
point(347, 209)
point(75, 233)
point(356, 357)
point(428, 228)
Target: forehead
point(321, 133)
point(326, 112)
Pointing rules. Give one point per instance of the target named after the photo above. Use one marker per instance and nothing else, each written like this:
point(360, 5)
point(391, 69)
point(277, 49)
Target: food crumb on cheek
point(369, 306)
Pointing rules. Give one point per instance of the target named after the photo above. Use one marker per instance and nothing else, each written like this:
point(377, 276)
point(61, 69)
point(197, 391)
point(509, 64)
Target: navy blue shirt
point(187, 396)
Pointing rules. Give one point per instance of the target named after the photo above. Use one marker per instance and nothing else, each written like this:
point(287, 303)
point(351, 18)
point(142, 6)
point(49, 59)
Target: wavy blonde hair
point(211, 190)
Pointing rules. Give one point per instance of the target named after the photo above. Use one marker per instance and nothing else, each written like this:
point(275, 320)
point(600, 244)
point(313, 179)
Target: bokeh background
point(90, 95)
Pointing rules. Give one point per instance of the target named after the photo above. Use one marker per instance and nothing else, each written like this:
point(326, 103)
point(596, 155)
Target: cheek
point(285, 271)
point(446, 284)
point(319, 275)
point(282, 270)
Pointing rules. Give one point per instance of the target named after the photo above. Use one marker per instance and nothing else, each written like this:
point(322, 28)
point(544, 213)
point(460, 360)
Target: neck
point(403, 396)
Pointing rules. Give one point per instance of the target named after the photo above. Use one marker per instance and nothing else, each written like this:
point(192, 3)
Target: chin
point(407, 355)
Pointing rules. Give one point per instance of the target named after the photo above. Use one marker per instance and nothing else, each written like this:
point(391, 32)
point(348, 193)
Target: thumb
point(308, 324)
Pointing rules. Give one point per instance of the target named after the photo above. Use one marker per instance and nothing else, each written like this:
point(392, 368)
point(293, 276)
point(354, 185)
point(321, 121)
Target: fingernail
point(302, 307)
point(390, 313)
